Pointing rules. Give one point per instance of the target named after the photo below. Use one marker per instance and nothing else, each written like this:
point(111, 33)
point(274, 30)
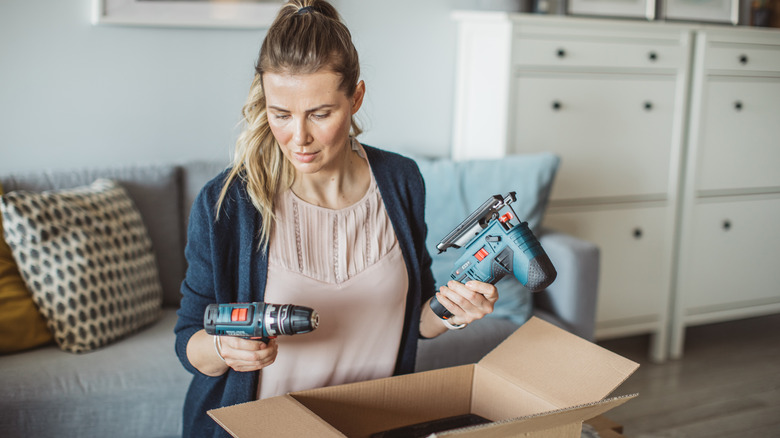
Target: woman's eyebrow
point(321, 107)
point(315, 109)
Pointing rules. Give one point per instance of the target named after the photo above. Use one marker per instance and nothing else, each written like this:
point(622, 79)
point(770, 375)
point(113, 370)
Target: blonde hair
point(307, 36)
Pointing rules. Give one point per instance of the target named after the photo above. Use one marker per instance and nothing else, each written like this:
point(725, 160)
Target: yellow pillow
point(21, 325)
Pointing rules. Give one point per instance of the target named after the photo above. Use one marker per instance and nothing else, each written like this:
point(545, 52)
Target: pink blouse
point(347, 265)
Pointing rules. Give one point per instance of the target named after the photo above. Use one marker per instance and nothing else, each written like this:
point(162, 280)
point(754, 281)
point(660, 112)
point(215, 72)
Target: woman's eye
point(281, 116)
point(321, 116)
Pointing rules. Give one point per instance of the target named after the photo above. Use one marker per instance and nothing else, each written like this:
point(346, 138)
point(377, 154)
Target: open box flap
point(283, 415)
point(554, 421)
point(557, 365)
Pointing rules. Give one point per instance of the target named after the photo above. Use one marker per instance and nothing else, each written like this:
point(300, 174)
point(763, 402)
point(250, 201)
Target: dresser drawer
point(733, 258)
point(739, 132)
point(743, 57)
point(596, 54)
point(633, 281)
point(612, 132)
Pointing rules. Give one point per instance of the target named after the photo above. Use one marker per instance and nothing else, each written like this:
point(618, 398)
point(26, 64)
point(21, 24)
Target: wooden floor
point(726, 385)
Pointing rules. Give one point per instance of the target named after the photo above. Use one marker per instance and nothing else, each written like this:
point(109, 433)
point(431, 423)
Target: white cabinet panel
point(635, 262)
point(740, 132)
point(613, 132)
point(734, 259)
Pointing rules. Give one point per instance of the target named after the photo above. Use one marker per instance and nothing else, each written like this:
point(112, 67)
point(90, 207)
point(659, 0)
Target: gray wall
point(77, 95)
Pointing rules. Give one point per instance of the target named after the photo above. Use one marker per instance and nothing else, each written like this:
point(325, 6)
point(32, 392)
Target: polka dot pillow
point(86, 256)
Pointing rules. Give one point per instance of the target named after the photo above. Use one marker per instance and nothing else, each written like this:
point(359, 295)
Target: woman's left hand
point(467, 302)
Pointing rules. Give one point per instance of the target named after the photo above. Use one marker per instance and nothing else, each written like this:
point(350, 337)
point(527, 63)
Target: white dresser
point(613, 99)
point(729, 264)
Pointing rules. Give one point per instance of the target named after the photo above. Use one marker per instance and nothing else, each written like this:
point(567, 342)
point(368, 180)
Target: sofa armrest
point(572, 297)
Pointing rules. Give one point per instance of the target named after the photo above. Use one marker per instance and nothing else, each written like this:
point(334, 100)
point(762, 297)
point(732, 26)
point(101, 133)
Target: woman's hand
point(239, 354)
point(467, 302)
point(247, 354)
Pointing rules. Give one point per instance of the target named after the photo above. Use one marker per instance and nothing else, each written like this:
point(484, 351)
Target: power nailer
point(495, 245)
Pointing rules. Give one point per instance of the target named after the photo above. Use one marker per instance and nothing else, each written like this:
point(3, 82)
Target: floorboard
point(726, 385)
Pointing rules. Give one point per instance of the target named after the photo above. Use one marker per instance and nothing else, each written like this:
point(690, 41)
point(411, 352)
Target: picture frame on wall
point(718, 11)
point(243, 14)
point(613, 8)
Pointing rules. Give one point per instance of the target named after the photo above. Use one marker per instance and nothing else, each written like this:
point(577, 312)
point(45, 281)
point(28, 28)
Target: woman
point(307, 215)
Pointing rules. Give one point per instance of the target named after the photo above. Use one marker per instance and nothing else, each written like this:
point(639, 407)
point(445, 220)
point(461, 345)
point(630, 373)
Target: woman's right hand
point(239, 354)
point(247, 354)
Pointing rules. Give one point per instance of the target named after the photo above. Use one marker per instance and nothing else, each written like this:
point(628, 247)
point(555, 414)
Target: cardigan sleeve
point(198, 290)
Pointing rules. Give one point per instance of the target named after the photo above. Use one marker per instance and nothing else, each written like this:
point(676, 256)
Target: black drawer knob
point(648, 105)
point(561, 53)
point(743, 59)
point(652, 56)
point(738, 105)
point(556, 105)
point(726, 225)
point(637, 233)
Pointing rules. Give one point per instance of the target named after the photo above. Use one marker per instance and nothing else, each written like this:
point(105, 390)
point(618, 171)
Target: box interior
point(360, 409)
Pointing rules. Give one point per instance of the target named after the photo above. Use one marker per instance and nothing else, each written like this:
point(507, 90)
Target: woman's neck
point(336, 188)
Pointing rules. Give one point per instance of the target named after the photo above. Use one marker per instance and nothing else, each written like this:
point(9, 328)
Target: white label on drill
point(234, 333)
point(463, 267)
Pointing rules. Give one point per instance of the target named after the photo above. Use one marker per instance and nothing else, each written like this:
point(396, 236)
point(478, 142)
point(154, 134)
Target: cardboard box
point(540, 382)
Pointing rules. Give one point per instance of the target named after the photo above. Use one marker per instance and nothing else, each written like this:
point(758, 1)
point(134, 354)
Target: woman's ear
point(357, 97)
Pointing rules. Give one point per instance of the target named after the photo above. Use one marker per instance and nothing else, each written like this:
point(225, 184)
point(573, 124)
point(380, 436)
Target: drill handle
point(439, 310)
point(442, 311)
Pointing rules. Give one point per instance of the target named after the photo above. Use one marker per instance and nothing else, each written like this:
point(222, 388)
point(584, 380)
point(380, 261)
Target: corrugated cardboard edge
point(550, 420)
point(284, 415)
point(538, 350)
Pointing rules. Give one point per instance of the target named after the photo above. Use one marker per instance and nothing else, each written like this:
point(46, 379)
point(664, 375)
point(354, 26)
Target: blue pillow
point(456, 188)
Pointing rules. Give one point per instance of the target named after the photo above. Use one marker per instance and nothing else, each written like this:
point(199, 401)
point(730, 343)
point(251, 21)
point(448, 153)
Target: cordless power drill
point(496, 245)
point(259, 320)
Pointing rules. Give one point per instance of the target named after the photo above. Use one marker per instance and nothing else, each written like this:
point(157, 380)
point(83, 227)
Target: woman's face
point(310, 117)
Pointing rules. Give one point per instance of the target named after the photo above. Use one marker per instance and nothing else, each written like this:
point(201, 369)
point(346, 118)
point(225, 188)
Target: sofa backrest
point(194, 176)
point(156, 191)
point(164, 196)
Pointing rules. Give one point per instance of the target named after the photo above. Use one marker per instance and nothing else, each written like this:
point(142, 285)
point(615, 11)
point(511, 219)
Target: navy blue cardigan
point(226, 265)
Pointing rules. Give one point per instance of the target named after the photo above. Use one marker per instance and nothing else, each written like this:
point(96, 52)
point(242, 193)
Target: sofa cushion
point(134, 388)
point(456, 188)
point(87, 259)
point(155, 190)
point(21, 325)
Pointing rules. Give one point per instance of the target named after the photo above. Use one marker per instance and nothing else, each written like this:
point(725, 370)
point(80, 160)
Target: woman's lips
point(305, 157)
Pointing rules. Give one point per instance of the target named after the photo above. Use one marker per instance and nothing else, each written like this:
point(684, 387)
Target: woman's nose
point(301, 135)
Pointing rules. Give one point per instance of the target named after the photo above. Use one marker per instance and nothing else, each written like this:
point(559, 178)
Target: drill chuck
point(259, 320)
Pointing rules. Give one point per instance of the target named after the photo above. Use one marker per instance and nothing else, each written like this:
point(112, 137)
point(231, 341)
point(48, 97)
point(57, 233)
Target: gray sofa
point(136, 386)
